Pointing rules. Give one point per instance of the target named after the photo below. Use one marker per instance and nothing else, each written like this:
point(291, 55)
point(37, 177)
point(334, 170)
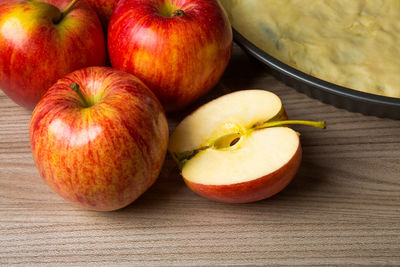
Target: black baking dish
point(339, 96)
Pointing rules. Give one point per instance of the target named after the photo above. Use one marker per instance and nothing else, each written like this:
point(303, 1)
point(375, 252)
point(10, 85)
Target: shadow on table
point(170, 195)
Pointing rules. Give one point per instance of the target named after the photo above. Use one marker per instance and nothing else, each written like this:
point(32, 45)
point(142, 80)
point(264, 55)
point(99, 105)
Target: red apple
point(104, 9)
point(102, 145)
point(237, 149)
point(40, 44)
point(179, 48)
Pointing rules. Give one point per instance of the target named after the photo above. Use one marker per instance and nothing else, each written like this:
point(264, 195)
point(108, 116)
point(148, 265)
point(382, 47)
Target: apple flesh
point(235, 148)
point(102, 145)
point(180, 49)
point(40, 44)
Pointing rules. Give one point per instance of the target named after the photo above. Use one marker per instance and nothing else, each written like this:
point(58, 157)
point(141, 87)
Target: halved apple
point(237, 148)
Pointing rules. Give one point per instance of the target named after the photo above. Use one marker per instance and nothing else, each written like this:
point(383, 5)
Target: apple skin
point(254, 190)
point(104, 9)
point(105, 156)
point(179, 58)
point(35, 52)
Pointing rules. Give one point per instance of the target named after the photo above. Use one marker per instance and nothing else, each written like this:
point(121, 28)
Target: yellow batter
point(353, 43)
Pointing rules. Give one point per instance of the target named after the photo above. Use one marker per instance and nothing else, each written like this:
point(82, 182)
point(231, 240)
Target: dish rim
point(324, 86)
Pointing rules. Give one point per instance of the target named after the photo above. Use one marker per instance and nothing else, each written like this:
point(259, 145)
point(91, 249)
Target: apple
point(180, 49)
point(104, 9)
point(99, 138)
point(39, 44)
point(237, 148)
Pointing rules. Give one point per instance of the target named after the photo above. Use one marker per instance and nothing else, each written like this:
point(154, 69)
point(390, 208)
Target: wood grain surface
point(343, 207)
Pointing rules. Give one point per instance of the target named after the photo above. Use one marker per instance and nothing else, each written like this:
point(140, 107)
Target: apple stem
point(75, 87)
point(67, 10)
point(178, 13)
point(229, 141)
point(317, 124)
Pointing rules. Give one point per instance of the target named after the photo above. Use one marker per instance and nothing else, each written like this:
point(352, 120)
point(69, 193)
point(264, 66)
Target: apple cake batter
point(354, 43)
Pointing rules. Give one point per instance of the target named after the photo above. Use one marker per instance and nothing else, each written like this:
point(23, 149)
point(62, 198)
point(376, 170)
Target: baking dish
point(339, 96)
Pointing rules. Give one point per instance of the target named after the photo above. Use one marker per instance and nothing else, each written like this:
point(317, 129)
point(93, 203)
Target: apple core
point(231, 141)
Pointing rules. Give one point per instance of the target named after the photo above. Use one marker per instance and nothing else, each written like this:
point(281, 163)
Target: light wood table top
point(343, 207)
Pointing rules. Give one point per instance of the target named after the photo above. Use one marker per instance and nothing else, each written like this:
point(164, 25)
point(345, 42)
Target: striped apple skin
point(35, 52)
point(105, 156)
point(179, 58)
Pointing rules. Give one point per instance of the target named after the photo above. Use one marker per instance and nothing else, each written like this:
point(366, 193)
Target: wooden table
point(343, 207)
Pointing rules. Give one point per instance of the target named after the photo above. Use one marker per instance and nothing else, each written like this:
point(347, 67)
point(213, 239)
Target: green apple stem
point(67, 10)
point(75, 87)
point(232, 140)
point(317, 124)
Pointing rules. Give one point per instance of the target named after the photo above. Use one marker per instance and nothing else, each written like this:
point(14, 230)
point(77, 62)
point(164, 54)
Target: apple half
point(237, 148)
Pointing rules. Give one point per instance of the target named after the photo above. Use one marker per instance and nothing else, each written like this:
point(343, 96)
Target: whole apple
point(104, 9)
point(39, 44)
point(180, 49)
point(99, 138)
